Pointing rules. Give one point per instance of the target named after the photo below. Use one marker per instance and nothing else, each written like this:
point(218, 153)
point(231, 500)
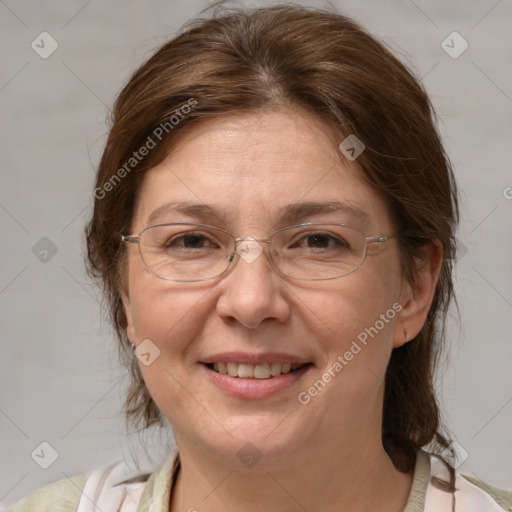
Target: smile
point(254, 371)
point(255, 381)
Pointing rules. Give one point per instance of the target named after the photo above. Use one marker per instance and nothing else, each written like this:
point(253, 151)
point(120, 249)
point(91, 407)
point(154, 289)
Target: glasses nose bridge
point(249, 238)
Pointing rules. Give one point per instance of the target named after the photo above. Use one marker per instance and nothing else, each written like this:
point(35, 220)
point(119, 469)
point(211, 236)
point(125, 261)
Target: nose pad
point(274, 256)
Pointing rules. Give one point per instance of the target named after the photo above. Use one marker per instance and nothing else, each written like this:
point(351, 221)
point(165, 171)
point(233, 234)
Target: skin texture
point(326, 455)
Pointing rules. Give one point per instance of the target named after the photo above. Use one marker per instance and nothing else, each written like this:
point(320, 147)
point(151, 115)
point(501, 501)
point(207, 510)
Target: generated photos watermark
point(454, 45)
point(341, 361)
point(352, 147)
point(455, 454)
point(44, 455)
point(146, 352)
point(44, 45)
point(152, 140)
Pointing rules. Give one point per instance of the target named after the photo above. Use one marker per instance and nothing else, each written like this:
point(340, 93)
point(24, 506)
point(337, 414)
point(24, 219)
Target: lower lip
point(255, 388)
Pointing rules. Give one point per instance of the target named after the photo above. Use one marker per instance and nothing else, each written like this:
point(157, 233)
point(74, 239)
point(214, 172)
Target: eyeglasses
point(183, 251)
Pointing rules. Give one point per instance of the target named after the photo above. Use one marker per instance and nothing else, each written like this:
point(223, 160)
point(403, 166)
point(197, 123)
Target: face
point(340, 332)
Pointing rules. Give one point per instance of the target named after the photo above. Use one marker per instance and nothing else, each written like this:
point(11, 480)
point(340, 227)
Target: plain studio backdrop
point(60, 381)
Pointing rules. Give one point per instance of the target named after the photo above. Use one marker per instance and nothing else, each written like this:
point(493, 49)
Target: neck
point(328, 478)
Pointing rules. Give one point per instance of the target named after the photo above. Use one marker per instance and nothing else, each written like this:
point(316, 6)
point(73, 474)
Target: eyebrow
point(298, 211)
point(187, 208)
point(289, 213)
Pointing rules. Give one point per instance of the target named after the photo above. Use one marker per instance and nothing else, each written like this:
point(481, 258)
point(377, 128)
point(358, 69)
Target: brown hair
point(275, 57)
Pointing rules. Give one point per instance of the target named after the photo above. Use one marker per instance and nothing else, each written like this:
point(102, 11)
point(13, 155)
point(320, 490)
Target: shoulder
point(502, 497)
point(116, 487)
point(61, 496)
point(447, 488)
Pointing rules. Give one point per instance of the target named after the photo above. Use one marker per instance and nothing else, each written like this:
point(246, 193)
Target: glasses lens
point(185, 252)
point(318, 251)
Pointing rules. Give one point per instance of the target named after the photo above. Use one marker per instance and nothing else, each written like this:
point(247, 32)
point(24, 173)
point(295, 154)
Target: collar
point(157, 492)
point(429, 490)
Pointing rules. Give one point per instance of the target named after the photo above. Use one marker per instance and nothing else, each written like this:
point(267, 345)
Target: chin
point(259, 440)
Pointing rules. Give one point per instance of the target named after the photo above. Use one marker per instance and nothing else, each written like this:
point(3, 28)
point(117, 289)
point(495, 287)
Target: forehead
point(256, 167)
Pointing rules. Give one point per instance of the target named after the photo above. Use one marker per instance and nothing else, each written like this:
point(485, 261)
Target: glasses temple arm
point(130, 239)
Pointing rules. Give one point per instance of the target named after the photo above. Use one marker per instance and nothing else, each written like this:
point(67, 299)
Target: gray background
point(60, 381)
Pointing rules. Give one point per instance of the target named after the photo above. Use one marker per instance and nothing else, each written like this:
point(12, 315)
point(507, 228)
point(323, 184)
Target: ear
point(416, 298)
point(125, 299)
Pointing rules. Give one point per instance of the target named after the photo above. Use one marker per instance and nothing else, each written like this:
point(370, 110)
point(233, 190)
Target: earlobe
point(417, 297)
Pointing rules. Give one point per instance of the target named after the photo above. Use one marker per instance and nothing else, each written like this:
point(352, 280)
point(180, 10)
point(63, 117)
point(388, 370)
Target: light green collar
point(157, 492)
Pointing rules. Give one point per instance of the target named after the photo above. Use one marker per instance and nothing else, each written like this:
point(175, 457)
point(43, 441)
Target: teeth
point(233, 369)
point(275, 369)
point(262, 371)
point(245, 371)
point(258, 371)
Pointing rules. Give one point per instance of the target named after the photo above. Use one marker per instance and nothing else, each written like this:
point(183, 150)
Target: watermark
point(146, 352)
point(44, 455)
point(454, 454)
point(152, 140)
point(249, 250)
point(341, 361)
point(461, 249)
point(249, 455)
point(44, 250)
point(454, 45)
point(352, 147)
point(44, 45)
point(507, 193)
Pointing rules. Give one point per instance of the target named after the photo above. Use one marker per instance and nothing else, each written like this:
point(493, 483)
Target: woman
point(273, 229)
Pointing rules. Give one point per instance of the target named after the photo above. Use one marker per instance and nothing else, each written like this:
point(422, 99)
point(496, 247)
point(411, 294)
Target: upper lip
point(254, 358)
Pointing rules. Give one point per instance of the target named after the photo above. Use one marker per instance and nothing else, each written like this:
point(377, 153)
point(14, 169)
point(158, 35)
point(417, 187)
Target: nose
point(252, 291)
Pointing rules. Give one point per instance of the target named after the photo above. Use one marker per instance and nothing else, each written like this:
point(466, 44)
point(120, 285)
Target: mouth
point(255, 381)
point(255, 371)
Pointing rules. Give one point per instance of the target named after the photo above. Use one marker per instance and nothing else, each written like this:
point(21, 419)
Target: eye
point(190, 241)
point(321, 241)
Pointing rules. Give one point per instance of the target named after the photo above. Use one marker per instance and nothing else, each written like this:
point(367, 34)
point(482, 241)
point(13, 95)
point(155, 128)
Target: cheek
point(169, 314)
point(358, 316)
point(171, 319)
